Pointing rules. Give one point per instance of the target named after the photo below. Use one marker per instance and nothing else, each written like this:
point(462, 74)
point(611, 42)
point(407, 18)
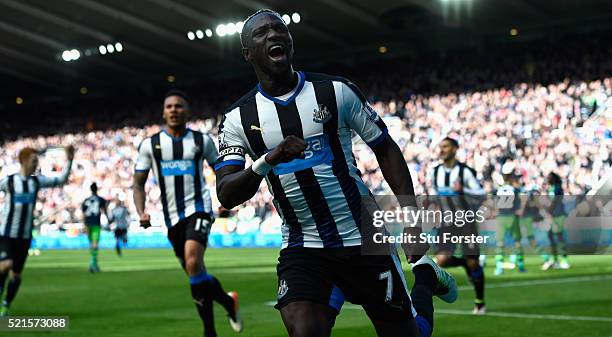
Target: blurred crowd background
point(546, 109)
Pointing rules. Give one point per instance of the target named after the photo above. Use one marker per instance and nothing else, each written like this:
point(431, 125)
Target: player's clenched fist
point(290, 148)
point(145, 220)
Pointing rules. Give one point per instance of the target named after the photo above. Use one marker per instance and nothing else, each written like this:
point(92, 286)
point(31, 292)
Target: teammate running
point(17, 219)
point(92, 209)
point(176, 156)
point(453, 182)
point(121, 217)
point(297, 126)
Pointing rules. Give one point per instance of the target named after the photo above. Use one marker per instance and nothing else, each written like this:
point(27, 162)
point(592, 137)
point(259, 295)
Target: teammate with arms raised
point(297, 128)
point(92, 209)
point(176, 156)
point(17, 217)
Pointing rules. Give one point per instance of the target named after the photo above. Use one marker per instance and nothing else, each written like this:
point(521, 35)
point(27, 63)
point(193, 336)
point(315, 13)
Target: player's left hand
point(70, 152)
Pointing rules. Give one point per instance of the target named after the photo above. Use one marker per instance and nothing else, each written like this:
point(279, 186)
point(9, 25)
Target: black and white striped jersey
point(20, 201)
point(318, 197)
point(442, 180)
point(177, 165)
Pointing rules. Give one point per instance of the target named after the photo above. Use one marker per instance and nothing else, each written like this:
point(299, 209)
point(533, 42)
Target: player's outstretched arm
point(235, 186)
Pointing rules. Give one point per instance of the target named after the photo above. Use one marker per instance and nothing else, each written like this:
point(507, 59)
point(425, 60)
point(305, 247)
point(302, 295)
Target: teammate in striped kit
point(16, 223)
point(92, 209)
point(297, 128)
point(453, 181)
point(176, 156)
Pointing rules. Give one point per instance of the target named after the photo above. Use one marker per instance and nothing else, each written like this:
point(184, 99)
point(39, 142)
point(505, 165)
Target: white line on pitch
point(541, 282)
point(524, 315)
point(350, 306)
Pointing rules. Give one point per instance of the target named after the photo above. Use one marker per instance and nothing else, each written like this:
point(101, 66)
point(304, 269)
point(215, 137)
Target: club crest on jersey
point(321, 115)
point(282, 289)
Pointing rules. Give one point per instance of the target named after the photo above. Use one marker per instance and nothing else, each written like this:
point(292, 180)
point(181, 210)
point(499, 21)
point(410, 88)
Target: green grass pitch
point(145, 293)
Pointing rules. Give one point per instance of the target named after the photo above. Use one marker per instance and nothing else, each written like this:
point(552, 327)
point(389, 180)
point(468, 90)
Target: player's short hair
point(25, 153)
point(243, 39)
point(179, 93)
point(93, 187)
point(453, 141)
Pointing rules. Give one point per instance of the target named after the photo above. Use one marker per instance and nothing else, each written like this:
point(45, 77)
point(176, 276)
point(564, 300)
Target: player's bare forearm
point(235, 186)
point(139, 192)
point(394, 168)
point(396, 173)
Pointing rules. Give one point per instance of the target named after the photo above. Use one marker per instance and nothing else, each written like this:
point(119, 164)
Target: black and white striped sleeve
point(210, 151)
point(361, 117)
point(145, 156)
point(231, 145)
point(4, 184)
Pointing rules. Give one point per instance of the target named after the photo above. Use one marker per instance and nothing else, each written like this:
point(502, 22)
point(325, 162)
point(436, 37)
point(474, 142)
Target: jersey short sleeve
point(231, 145)
point(102, 202)
point(361, 117)
point(210, 151)
point(144, 160)
point(4, 184)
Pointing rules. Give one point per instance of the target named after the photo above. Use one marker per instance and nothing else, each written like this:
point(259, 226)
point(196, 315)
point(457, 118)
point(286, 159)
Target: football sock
point(11, 289)
point(553, 244)
point(561, 244)
point(3, 277)
point(201, 294)
point(425, 281)
point(478, 279)
point(455, 261)
point(221, 297)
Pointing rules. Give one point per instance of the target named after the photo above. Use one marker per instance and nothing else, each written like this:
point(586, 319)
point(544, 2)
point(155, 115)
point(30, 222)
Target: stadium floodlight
point(239, 26)
point(66, 55)
point(75, 54)
point(199, 34)
point(296, 17)
point(287, 19)
point(230, 28)
point(221, 30)
point(208, 32)
point(190, 35)
point(110, 48)
point(102, 50)
point(118, 47)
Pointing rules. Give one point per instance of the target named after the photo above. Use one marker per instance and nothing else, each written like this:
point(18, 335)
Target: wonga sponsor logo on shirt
point(177, 167)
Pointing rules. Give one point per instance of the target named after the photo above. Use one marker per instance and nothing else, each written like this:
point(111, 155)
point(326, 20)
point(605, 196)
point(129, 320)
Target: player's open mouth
point(276, 52)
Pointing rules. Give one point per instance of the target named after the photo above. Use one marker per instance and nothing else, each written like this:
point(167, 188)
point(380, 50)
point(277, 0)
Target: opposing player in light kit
point(21, 191)
point(121, 217)
point(92, 209)
point(297, 127)
point(176, 156)
point(510, 208)
point(454, 182)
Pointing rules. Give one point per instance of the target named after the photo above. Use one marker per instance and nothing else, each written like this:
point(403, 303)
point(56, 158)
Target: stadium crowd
point(521, 116)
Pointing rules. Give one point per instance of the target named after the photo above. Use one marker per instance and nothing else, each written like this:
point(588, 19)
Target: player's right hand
point(289, 149)
point(145, 220)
